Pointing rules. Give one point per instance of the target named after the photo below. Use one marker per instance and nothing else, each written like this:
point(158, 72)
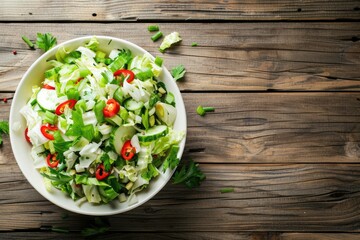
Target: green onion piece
point(153, 28)
point(124, 113)
point(194, 44)
point(156, 36)
point(98, 109)
point(107, 61)
point(159, 61)
point(60, 230)
point(202, 110)
point(28, 42)
point(73, 93)
point(84, 72)
point(226, 190)
point(100, 54)
point(147, 74)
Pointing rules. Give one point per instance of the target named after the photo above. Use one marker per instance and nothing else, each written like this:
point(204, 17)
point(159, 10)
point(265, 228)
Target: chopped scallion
point(153, 28)
point(156, 36)
point(28, 42)
point(203, 110)
point(226, 190)
point(159, 61)
point(194, 44)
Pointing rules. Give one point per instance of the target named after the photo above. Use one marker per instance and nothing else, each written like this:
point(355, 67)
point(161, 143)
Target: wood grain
point(315, 197)
point(162, 10)
point(235, 57)
point(268, 128)
point(189, 235)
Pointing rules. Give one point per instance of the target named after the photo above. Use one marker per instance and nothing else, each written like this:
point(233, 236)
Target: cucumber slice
point(153, 133)
point(132, 105)
point(119, 95)
point(121, 135)
point(47, 99)
point(115, 120)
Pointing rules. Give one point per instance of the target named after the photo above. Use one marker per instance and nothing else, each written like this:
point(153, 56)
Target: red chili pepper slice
point(126, 74)
point(52, 161)
point(46, 86)
point(111, 108)
point(128, 151)
point(60, 109)
point(26, 135)
point(79, 80)
point(100, 173)
point(46, 131)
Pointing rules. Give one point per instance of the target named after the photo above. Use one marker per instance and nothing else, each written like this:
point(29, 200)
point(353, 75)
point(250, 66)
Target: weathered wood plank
point(297, 197)
point(237, 56)
point(190, 235)
point(267, 128)
point(40, 10)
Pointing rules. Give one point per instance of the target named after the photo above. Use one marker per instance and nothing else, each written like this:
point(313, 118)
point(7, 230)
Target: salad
point(101, 124)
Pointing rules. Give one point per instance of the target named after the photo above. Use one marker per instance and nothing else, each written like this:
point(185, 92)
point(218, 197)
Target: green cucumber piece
point(120, 136)
point(132, 105)
point(119, 95)
point(47, 99)
point(153, 133)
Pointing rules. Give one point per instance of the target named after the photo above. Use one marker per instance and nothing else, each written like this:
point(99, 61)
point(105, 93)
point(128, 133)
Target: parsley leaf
point(190, 175)
point(171, 160)
point(178, 72)
point(99, 226)
point(45, 41)
point(4, 128)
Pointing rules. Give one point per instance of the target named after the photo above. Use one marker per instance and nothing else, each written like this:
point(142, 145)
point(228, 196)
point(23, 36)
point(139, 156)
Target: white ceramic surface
point(21, 149)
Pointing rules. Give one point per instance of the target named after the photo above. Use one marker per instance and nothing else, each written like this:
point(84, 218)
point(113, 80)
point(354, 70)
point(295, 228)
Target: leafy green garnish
point(99, 226)
point(194, 44)
point(190, 175)
point(45, 41)
point(4, 129)
point(226, 190)
point(178, 72)
point(171, 160)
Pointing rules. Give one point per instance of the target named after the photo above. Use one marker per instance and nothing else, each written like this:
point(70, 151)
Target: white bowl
point(21, 148)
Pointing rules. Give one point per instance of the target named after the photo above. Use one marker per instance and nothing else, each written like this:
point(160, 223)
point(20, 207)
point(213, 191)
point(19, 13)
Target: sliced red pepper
point(52, 161)
point(26, 135)
point(111, 108)
point(60, 109)
point(79, 80)
point(128, 151)
point(126, 74)
point(46, 131)
point(100, 173)
point(46, 86)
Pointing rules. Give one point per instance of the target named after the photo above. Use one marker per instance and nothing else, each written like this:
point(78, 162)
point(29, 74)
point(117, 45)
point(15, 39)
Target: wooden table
point(284, 78)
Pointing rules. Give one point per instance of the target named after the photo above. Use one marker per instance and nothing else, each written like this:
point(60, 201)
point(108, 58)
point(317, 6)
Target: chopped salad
point(101, 124)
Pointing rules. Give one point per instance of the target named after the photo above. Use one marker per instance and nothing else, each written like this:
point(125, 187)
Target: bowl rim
point(180, 108)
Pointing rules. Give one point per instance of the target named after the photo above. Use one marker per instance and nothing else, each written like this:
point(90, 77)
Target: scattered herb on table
point(28, 42)
point(60, 230)
point(194, 44)
point(178, 72)
point(203, 110)
point(99, 226)
point(45, 41)
point(226, 190)
point(156, 36)
point(153, 28)
point(4, 129)
point(190, 175)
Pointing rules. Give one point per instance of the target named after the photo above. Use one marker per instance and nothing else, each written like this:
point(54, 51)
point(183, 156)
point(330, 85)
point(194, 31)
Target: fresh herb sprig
point(178, 72)
point(45, 41)
point(4, 129)
point(189, 174)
